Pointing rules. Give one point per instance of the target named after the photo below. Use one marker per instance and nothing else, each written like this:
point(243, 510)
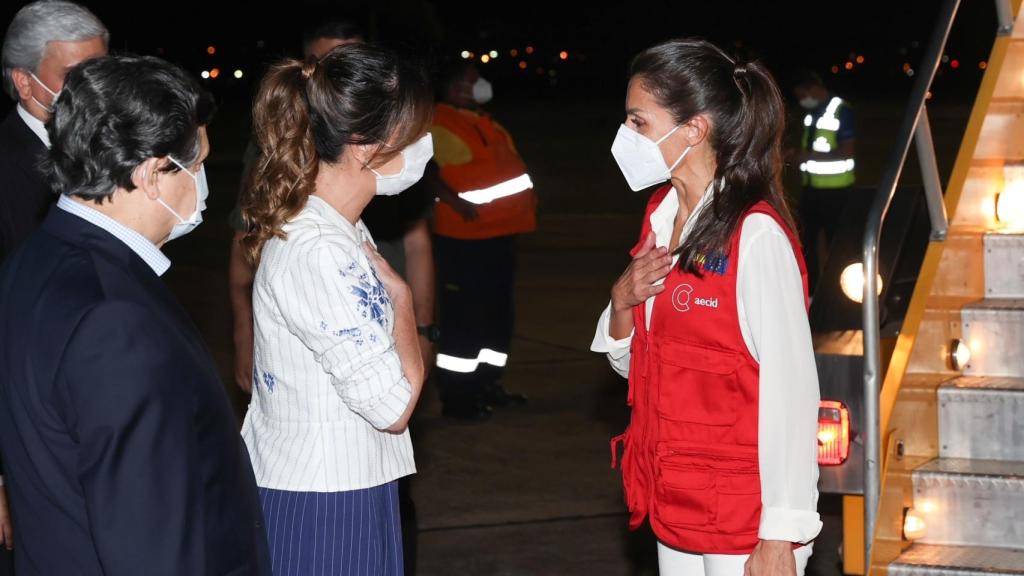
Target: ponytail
point(285, 173)
point(690, 77)
point(305, 113)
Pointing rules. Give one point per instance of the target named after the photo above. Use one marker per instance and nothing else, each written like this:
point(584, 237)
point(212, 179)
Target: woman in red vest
point(709, 322)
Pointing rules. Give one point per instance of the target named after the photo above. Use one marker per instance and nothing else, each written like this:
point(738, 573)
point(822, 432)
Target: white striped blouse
point(327, 378)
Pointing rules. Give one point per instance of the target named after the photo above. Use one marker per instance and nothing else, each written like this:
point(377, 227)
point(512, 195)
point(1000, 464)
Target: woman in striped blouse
point(338, 369)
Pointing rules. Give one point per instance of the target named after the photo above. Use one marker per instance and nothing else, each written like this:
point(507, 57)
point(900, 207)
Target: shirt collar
point(34, 124)
point(138, 243)
point(663, 218)
point(324, 211)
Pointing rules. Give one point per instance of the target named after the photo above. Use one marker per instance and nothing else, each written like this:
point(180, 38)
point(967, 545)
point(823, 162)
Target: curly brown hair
point(308, 112)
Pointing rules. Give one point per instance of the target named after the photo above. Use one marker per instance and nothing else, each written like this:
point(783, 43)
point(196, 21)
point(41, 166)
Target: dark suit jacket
point(121, 450)
point(25, 196)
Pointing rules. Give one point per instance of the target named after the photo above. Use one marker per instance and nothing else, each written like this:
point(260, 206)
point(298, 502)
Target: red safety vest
point(690, 460)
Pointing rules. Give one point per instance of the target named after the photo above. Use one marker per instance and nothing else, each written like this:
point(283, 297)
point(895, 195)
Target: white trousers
point(672, 562)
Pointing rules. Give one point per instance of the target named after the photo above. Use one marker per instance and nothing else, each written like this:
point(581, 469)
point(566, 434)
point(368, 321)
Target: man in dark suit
point(122, 451)
point(44, 40)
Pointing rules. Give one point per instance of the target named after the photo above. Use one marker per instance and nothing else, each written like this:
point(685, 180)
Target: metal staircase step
point(994, 330)
point(928, 560)
point(982, 417)
point(971, 502)
point(1004, 265)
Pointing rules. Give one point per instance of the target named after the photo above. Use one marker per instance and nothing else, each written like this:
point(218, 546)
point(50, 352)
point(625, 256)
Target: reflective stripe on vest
point(470, 365)
point(828, 167)
point(820, 134)
point(501, 190)
point(494, 179)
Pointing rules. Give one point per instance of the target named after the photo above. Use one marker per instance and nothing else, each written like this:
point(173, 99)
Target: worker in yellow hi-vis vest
point(485, 199)
point(826, 165)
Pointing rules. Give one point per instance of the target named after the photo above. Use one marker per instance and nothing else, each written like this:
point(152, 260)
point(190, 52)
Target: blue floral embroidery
point(269, 380)
point(373, 300)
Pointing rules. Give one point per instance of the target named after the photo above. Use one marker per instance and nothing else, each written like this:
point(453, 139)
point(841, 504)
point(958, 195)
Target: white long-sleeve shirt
point(773, 322)
point(327, 377)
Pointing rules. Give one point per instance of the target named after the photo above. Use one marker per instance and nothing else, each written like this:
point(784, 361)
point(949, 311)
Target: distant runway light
point(238, 74)
point(205, 74)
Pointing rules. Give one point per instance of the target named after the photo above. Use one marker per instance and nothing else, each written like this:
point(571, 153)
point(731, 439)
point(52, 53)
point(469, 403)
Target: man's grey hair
point(39, 23)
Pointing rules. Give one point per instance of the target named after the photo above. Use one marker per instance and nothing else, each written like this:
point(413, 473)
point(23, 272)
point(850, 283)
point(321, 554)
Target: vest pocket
point(684, 496)
point(697, 384)
point(739, 503)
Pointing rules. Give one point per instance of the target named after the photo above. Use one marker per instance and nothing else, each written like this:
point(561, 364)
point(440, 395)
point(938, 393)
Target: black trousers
point(476, 281)
point(821, 211)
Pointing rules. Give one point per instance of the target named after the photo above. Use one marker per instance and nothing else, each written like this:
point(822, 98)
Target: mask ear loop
point(681, 156)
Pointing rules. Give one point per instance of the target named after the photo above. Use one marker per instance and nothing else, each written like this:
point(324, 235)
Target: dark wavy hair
point(692, 76)
point(114, 113)
point(310, 111)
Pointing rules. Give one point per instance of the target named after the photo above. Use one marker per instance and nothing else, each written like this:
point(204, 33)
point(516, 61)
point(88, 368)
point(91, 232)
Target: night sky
point(598, 38)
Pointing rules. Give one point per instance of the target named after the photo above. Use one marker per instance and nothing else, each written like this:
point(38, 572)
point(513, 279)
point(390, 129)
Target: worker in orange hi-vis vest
point(485, 199)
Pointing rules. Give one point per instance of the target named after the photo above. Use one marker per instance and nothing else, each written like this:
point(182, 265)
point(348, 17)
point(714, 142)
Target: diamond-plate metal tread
point(926, 560)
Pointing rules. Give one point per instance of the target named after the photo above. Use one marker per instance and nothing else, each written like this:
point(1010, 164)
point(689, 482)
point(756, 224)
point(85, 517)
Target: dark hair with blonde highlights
point(309, 112)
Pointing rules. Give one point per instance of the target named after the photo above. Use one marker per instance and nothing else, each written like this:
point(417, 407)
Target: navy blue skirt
point(355, 533)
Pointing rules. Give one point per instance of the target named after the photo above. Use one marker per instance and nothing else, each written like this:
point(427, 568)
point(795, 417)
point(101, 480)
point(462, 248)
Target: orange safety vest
point(494, 179)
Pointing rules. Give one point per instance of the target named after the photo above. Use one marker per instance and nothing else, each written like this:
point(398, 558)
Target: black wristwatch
point(431, 332)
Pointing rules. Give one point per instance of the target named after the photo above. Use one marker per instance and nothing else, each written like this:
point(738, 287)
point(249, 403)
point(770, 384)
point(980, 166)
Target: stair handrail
point(915, 126)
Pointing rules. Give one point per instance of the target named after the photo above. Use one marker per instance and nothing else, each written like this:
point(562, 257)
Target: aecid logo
point(681, 299)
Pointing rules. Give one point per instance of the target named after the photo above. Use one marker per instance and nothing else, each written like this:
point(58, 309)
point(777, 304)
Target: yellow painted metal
point(904, 399)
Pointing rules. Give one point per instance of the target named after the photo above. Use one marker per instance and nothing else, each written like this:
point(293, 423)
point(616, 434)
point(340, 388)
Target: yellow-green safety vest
point(820, 136)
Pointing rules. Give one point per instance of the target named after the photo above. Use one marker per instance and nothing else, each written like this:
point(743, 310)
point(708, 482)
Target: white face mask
point(483, 92)
point(49, 109)
point(809, 103)
point(202, 193)
point(414, 158)
point(640, 159)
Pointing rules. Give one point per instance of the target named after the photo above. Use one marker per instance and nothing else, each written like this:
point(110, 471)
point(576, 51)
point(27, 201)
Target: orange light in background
point(833, 433)
point(906, 66)
point(485, 58)
point(563, 55)
point(211, 50)
point(849, 66)
point(514, 53)
point(928, 96)
point(983, 65)
point(835, 69)
point(215, 72)
point(523, 65)
point(529, 49)
point(860, 59)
